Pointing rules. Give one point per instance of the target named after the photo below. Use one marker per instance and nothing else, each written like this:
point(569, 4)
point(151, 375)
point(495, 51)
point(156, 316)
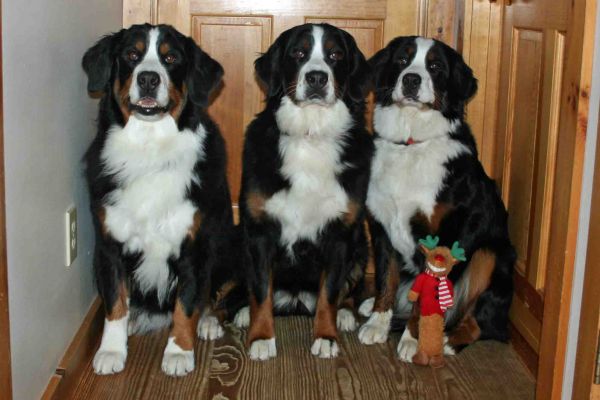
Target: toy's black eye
point(403, 60)
point(133, 55)
point(170, 58)
point(435, 66)
point(336, 55)
point(298, 54)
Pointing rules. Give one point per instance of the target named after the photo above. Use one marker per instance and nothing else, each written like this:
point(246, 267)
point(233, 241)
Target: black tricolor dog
point(426, 180)
point(159, 196)
point(305, 176)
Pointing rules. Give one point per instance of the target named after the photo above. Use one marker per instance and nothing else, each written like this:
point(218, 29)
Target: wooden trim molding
point(78, 355)
point(574, 108)
point(5, 364)
point(589, 320)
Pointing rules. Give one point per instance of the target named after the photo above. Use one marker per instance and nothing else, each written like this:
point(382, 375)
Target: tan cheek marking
point(119, 309)
point(256, 205)
point(122, 95)
point(262, 325)
point(325, 315)
point(177, 98)
point(193, 230)
point(183, 330)
point(385, 299)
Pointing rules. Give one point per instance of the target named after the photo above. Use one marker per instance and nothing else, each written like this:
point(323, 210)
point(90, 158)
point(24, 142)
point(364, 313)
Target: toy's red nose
point(439, 258)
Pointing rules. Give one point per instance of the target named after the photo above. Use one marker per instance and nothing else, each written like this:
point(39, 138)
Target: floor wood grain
point(486, 370)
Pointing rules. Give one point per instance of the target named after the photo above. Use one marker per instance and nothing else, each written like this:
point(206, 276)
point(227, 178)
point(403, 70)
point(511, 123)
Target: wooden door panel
point(235, 42)
point(523, 106)
point(531, 71)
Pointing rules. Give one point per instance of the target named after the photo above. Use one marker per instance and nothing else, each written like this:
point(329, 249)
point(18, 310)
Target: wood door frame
point(5, 364)
point(574, 111)
point(589, 320)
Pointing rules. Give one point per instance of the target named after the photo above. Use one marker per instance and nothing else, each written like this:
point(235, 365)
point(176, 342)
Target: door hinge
point(597, 372)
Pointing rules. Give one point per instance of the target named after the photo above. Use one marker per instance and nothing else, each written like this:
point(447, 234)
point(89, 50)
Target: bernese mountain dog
point(426, 180)
point(305, 175)
point(158, 190)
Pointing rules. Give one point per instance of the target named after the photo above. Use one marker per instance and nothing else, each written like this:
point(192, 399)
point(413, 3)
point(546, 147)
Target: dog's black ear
point(359, 79)
point(378, 63)
point(268, 66)
point(462, 82)
point(98, 62)
point(204, 74)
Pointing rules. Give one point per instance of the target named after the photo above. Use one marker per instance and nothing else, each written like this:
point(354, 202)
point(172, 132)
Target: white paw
point(346, 321)
point(407, 347)
point(242, 318)
point(448, 350)
point(176, 361)
point(209, 328)
point(262, 349)
point(324, 348)
point(366, 307)
point(376, 329)
point(108, 362)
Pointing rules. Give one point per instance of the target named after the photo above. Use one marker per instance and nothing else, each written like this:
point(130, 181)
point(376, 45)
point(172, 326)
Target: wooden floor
point(486, 370)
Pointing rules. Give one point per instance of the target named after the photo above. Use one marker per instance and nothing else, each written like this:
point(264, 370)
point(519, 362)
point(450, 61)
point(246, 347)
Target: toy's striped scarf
point(445, 298)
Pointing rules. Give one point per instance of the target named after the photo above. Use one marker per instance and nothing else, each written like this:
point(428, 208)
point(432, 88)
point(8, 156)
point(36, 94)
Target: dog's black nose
point(411, 81)
point(148, 80)
point(316, 79)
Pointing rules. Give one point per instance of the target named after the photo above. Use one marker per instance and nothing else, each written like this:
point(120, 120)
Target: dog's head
point(314, 64)
point(151, 71)
point(420, 72)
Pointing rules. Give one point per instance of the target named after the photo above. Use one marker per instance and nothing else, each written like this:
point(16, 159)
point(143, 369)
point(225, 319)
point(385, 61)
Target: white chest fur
point(153, 164)
point(407, 179)
point(310, 149)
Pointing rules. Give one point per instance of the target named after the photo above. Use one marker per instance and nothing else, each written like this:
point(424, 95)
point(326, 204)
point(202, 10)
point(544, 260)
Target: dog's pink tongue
point(147, 102)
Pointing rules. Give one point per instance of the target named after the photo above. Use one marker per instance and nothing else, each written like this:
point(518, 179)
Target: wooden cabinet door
point(235, 32)
point(542, 113)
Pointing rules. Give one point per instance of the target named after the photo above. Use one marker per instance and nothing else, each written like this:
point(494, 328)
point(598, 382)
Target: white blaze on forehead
point(151, 62)
point(316, 62)
point(418, 66)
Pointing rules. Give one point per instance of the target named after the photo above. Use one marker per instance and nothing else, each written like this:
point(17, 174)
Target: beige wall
point(48, 124)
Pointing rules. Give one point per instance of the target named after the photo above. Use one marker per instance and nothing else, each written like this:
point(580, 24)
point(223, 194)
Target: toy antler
point(458, 252)
point(430, 242)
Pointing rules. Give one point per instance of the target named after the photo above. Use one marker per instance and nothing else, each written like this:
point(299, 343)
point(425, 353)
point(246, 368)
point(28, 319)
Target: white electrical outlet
point(71, 235)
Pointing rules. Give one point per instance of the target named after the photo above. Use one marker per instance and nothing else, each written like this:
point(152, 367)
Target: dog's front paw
point(407, 347)
point(366, 307)
point(324, 348)
point(242, 318)
point(108, 362)
point(176, 361)
point(262, 349)
point(376, 329)
point(345, 320)
point(448, 349)
point(209, 328)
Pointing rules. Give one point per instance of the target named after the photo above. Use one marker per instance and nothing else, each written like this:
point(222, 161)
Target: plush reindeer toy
point(435, 292)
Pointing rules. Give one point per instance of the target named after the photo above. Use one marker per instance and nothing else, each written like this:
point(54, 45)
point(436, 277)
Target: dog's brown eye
point(170, 59)
point(298, 54)
point(133, 55)
point(403, 61)
point(336, 55)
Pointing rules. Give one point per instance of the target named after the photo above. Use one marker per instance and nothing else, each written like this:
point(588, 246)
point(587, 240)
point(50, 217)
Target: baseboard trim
point(79, 353)
point(525, 352)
